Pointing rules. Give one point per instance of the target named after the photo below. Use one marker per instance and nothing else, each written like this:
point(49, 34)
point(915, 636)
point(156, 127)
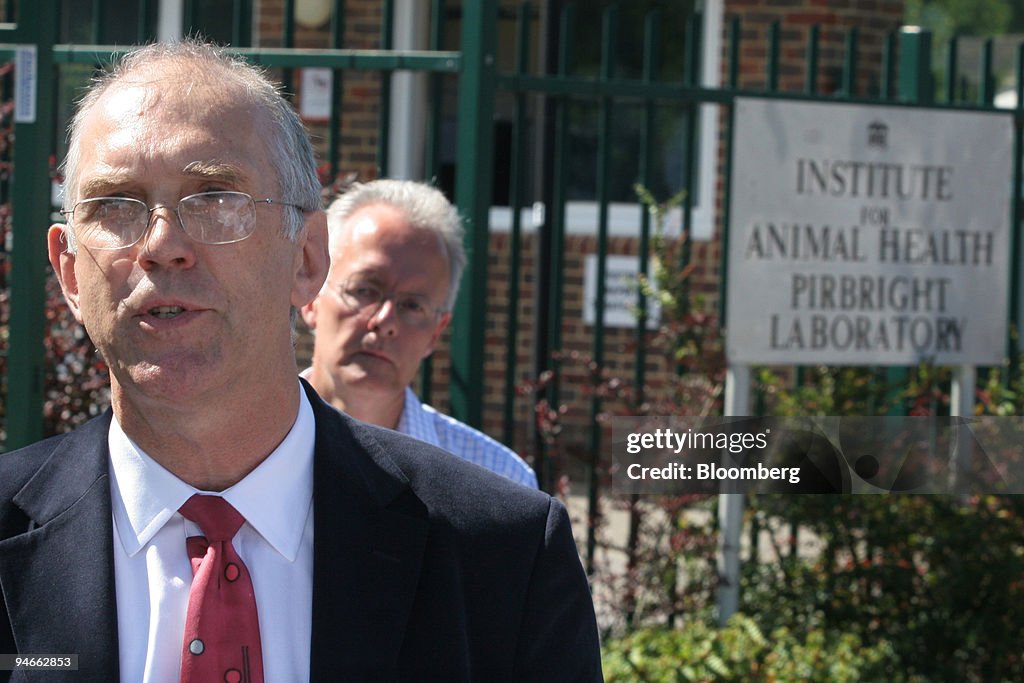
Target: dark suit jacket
point(426, 567)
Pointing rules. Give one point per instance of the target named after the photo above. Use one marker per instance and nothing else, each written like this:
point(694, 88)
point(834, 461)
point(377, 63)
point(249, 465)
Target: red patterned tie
point(222, 631)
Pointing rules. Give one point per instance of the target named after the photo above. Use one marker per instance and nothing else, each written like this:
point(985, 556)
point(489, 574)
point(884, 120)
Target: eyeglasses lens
point(218, 217)
point(208, 217)
point(108, 222)
point(412, 309)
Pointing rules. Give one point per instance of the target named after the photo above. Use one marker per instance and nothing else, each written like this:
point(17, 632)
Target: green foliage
point(934, 576)
point(689, 336)
point(669, 283)
point(741, 651)
point(822, 390)
point(931, 575)
point(1002, 391)
point(947, 18)
point(974, 19)
point(76, 385)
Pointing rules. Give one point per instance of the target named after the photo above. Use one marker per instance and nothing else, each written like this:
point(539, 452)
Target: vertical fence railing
point(384, 119)
point(474, 170)
point(552, 251)
point(813, 43)
point(849, 87)
point(772, 63)
point(432, 158)
point(609, 43)
point(432, 155)
point(516, 194)
point(1017, 216)
point(35, 33)
point(241, 23)
point(288, 42)
point(334, 121)
point(733, 70)
point(99, 22)
point(649, 75)
point(888, 60)
point(651, 67)
point(6, 173)
point(691, 107)
point(986, 77)
point(1017, 230)
point(952, 69)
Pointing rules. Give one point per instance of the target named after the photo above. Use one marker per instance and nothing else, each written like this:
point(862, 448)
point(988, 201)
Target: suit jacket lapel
point(58, 576)
point(369, 535)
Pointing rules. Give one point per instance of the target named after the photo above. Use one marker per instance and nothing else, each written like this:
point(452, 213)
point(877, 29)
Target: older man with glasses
point(396, 262)
point(221, 522)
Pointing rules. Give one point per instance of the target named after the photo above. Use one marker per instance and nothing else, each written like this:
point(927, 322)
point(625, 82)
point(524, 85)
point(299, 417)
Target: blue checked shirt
point(426, 424)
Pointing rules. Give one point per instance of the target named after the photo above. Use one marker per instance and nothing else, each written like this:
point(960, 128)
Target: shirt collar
point(145, 495)
point(415, 421)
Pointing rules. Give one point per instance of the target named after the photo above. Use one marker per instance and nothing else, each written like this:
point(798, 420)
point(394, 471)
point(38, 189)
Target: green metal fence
point(542, 103)
point(901, 77)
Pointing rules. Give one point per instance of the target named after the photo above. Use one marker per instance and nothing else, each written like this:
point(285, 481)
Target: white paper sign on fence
point(621, 282)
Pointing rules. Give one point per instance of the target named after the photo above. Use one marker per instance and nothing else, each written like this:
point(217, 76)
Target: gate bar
point(473, 172)
point(30, 206)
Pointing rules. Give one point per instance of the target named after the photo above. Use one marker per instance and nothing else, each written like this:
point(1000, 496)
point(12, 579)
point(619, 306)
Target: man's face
point(373, 349)
point(176, 319)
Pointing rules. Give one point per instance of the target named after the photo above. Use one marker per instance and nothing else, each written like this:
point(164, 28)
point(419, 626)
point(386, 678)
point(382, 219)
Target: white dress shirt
point(152, 570)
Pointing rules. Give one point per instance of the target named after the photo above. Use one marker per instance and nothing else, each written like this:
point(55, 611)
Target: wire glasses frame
point(221, 217)
point(412, 309)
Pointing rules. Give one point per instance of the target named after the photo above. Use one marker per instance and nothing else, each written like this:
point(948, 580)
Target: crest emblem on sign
point(878, 133)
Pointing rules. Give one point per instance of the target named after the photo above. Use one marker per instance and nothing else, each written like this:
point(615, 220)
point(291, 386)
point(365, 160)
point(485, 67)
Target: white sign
point(26, 83)
point(621, 286)
point(315, 101)
point(868, 235)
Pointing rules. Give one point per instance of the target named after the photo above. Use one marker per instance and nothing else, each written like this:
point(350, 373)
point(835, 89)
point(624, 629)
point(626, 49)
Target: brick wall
point(873, 19)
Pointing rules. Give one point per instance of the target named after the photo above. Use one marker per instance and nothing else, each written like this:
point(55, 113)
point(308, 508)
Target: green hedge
point(739, 651)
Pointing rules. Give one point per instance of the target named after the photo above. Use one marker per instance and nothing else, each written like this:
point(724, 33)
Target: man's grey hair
point(202, 65)
point(424, 206)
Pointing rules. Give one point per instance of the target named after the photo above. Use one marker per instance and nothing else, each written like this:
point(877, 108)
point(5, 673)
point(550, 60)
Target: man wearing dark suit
point(193, 234)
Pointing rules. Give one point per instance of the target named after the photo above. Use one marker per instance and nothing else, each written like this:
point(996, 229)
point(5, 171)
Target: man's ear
point(439, 329)
point(308, 313)
point(63, 262)
point(312, 261)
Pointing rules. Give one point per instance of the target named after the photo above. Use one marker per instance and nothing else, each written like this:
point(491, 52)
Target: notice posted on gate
point(868, 234)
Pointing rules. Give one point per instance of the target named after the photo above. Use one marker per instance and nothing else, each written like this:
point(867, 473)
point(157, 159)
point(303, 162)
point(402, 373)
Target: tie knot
point(214, 515)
